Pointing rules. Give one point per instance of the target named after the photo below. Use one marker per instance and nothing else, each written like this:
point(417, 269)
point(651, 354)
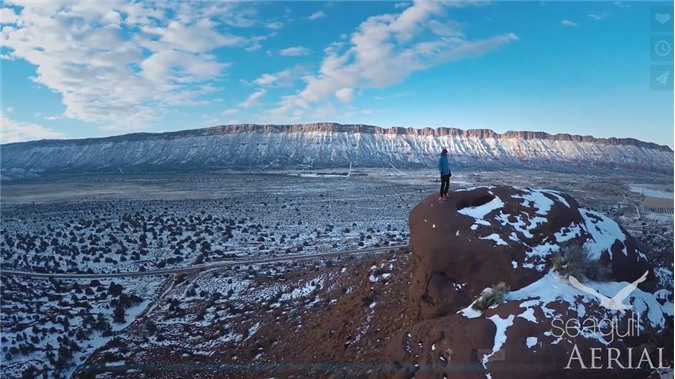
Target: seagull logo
point(615, 303)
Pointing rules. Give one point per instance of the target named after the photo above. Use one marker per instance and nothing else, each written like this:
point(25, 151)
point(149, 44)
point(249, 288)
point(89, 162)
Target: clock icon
point(662, 48)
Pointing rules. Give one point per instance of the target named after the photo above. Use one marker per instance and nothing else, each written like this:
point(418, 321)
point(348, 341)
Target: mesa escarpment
point(329, 127)
point(329, 145)
point(482, 237)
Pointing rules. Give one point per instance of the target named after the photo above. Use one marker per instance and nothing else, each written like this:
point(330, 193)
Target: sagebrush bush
point(491, 296)
point(576, 260)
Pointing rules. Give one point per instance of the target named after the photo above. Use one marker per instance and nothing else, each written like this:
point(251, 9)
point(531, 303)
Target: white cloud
point(254, 42)
point(198, 37)
point(567, 22)
point(125, 64)
point(317, 15)
point(254, 47)
point(295, 51)
point(599, 16)
point(345, 95)
point(252, 99)
point(276, 25)
point(282, 78)
point(401, 5)
point(15, 131)
point(10, 109)
point(8, 16)
point(229, 12)
point(383, 51)
point(619, 4)
point(266, 79)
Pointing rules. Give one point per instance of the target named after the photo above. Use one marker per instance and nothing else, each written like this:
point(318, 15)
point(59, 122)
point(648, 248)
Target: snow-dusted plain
point(257, 216)
point(139, 223)
point(50, 324)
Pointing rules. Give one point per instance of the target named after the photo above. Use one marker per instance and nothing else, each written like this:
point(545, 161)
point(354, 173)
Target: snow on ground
point(253, 330)
point(224, 285)
point(303, 291)
point(531, 341)
point(500, 335)
point(567, 233)
point(651, 192)
point(519, 225)
point(382, 273)
point(470, 311)
point(63, 309)
point(557, 195)
point(479, 212)
point(553, 287)
point(495, 237)
point(664, 276)
point(660, 218)
point(604, 232)
point(97, 340)
point(528, 315)
point(536, 199)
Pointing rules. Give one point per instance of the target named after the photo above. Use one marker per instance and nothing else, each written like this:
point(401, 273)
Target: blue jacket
point(444, 165)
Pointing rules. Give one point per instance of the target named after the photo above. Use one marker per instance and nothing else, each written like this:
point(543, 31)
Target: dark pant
point(445, 184)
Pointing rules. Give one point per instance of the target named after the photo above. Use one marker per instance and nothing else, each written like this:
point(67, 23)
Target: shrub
point(491, 296)
point(576, 261)
point(151, 327)
point(367, 300)
point(118, 315)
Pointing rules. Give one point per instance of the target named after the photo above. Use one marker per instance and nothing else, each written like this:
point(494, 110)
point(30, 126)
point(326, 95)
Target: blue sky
point(74, 70)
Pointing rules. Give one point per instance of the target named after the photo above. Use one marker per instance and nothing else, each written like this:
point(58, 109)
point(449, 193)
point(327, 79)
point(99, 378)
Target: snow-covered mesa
point(329, 146)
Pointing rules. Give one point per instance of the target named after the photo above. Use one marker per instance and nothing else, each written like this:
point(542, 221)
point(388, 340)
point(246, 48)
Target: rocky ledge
point(523, 283)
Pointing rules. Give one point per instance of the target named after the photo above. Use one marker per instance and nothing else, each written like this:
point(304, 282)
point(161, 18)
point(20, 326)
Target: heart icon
point(662, 18)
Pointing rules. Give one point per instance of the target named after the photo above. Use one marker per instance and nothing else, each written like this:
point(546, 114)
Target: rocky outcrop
point(543, 327)
point(504, 234)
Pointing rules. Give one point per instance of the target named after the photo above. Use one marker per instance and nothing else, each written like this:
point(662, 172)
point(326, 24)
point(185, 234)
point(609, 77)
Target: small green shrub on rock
point(576, 261)
point(491, 296)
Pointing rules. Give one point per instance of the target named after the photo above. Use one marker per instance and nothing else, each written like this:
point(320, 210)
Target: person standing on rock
point(444, 168)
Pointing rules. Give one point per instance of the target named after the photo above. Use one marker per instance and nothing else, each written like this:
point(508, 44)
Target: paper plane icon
point(663, 78)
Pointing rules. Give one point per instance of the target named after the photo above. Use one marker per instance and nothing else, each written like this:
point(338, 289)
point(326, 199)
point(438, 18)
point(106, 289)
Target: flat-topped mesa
point(329, 146)
point(474, 133)
point(330, 127)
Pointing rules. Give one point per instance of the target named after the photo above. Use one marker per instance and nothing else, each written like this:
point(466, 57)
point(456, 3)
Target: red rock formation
point(448, 251)
point(484, 236)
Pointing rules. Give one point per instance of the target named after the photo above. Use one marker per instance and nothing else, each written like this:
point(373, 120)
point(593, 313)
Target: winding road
point(200, 267)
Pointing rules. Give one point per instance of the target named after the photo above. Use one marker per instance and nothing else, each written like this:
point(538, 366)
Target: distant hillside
point(329, 145)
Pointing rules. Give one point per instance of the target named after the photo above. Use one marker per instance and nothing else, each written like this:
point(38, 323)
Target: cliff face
point(329, 145)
